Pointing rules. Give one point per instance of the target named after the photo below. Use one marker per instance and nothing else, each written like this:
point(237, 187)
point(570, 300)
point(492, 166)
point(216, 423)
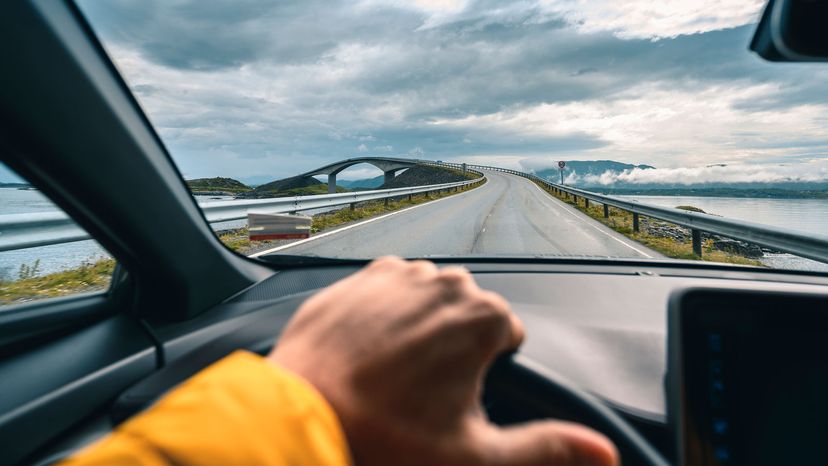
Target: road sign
point(561, 164)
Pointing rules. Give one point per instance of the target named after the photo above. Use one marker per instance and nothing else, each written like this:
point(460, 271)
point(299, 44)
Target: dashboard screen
point(753, 379)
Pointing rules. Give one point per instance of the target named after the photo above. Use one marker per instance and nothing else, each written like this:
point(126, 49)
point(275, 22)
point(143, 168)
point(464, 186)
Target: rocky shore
point(662, 229)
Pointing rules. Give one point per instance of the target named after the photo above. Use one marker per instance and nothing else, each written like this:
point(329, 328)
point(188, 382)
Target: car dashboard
point(601, 325)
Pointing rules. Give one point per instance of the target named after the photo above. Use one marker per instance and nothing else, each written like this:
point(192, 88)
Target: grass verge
point(91, 276)
point(622, 222)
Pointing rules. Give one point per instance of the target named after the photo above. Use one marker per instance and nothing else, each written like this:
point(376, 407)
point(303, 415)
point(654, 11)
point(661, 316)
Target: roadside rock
point(661, 229)
point(741, 248)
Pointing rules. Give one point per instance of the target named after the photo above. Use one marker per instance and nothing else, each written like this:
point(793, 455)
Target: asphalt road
point(507, 215)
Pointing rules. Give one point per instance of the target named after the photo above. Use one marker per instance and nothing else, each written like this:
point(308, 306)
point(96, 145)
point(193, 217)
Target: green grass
point(92, 276)
point(238, 241)
point(469, 174)
point(622, 222)
point(217, 184)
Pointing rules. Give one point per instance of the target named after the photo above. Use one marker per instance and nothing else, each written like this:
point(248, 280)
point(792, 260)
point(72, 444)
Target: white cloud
point(649, 19)
point(359, 172)
point(381, 89)
point(667, 126)
point(628, 19)
point(814, 171)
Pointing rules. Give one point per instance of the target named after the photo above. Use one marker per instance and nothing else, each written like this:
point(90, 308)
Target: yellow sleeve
point(241, 410)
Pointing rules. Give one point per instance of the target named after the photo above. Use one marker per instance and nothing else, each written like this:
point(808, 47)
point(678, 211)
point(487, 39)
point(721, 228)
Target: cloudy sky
point(257, 90)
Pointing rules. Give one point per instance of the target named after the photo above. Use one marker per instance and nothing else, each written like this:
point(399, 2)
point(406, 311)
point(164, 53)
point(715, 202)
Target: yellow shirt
point(241, 410)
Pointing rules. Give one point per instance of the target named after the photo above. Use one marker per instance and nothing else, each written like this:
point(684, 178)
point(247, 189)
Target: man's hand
point(400, 350)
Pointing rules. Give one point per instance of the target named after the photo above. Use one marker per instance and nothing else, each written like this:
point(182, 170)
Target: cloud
point(654, 20)
point(660, 121)
point(813, 172)
point(246, 88)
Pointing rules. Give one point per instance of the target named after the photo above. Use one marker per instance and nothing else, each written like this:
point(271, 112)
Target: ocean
point(806, 215)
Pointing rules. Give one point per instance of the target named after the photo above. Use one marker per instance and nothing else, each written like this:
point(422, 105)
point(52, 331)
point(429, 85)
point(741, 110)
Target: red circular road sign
point(561, 164)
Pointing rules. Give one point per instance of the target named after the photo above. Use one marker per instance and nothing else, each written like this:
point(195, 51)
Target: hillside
point(423, 175)
point(217, 186)
point(294, 186)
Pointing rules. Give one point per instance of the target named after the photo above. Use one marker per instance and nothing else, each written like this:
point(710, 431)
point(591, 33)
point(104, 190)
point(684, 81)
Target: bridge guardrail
point(808, 245)
point(22, 231)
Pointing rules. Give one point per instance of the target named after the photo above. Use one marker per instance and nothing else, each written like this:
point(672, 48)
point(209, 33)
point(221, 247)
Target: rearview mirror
point(793, 30)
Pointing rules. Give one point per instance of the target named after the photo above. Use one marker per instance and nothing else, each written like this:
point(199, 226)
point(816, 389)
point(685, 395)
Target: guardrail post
point(586, 203)
point(386, 202)
point(409, 198)
point(352, 205)
point(635, 222)
point(606, 211)
point(697, 242)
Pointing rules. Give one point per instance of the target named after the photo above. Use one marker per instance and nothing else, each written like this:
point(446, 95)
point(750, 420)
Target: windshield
point(464, 128)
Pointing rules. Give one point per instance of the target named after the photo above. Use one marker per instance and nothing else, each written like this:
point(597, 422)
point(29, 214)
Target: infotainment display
point(748, 378)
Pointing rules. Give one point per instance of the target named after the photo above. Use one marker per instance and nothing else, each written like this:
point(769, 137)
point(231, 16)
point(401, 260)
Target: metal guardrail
point(21, 231)
point(809, 245)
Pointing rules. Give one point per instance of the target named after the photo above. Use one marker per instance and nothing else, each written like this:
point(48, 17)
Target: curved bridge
point(389, 166)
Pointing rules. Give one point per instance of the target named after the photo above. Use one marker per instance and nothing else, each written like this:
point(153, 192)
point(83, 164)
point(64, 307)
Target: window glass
point(46, 271)
point(661, 105)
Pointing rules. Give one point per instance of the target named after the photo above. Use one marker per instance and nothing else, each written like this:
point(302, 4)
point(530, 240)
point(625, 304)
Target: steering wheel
point(515, 377)
point(537, 390)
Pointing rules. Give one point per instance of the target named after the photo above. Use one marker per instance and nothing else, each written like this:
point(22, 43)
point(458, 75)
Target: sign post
point(561, 166)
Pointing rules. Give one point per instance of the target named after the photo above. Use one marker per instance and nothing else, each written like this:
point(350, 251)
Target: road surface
point(507, 215)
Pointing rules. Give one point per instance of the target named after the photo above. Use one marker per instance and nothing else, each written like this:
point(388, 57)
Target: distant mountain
point(752, 190)
point(589, 167)
point(366, 183)
point(217, 185)
point(15, 185)
point(586, 173)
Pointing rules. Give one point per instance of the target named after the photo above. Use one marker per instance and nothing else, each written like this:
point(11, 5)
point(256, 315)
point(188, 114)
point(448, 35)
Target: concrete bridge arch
point(389, 167)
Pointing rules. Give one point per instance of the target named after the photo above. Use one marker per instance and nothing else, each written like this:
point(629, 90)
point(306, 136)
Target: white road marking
point(589, 222)
point(354, 225)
